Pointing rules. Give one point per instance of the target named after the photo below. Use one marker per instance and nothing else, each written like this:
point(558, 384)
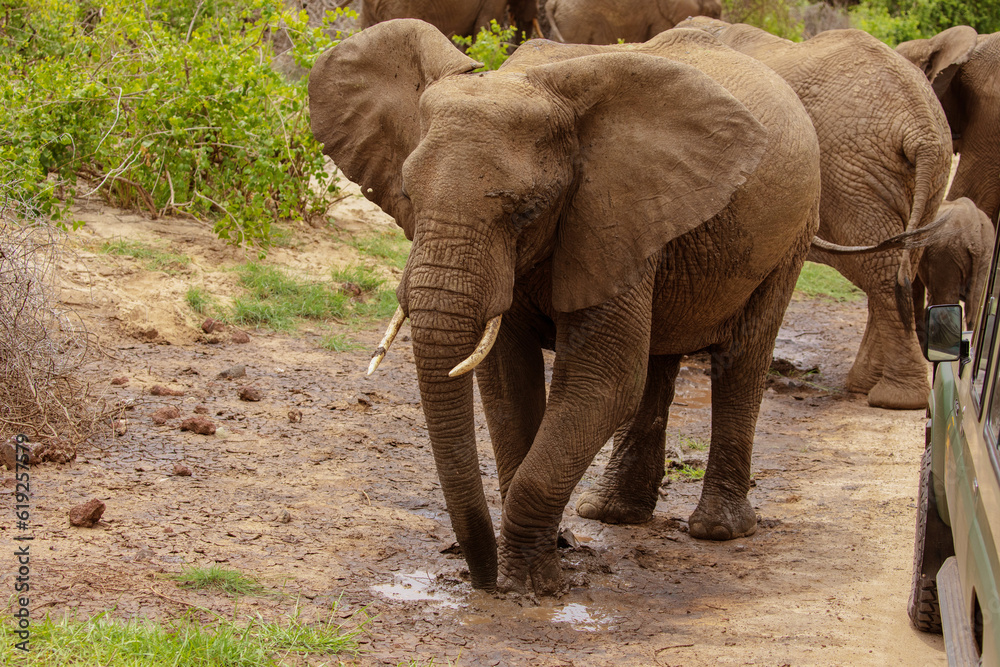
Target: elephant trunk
point(441, 341)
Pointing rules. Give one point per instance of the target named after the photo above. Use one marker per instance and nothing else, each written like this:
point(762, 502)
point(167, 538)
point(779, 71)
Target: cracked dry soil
point(324, 490)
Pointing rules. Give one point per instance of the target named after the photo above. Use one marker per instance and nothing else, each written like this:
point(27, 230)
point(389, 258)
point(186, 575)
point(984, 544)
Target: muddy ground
point(325, 491)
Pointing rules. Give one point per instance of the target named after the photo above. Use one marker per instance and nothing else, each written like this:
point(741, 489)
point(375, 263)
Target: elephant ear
point(364, 99)
point(940, 56)
point(661, 149)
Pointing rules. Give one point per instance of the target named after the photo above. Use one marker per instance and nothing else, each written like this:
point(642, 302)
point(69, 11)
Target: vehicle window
point(984, 336)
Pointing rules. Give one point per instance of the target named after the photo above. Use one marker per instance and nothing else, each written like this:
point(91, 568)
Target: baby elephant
point(957, 267)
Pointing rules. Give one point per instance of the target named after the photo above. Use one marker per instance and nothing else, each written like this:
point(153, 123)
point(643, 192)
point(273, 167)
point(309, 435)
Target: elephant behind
point(608, 21)
point(964, 69)
point(622, 205)
point(885, 155)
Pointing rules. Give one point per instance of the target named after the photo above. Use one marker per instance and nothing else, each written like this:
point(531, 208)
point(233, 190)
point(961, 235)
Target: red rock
point(160, 390)
point(87, 514)
point(161, 416)
point(251, 393)
point(200, 425)
point(181, 470)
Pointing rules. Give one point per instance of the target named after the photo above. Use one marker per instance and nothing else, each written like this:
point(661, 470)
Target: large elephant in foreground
point(620, 205)
point(452, 17)
point(885, 155)
point(964, 69)
point(608, 21)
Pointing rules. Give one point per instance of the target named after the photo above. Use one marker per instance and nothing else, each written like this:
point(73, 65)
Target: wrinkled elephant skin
point(885, 154)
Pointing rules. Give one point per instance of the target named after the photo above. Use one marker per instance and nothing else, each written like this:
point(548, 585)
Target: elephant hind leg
point(739, 367)
point(627, 492)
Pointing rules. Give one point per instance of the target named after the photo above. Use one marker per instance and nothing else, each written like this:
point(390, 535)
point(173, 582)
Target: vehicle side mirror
point(944, 333)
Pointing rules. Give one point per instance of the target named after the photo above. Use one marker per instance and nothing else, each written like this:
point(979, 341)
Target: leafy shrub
point(169, 107)
point(774, 16)
point(895, 21)
point(491, 45)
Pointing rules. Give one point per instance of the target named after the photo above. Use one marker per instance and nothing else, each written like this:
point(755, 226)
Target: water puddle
point(417, 586)
point(576, 615)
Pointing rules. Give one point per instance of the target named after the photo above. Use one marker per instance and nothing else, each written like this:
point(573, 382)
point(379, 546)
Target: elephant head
point(586, 165)
point(962, 67)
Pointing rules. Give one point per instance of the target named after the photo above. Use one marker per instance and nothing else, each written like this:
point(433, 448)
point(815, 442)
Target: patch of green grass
point(199, 300)
point(691, 442)
point(101, 641)
point(390, 246)
point(152, 259)
point(365, 278)
point(686, 472)
point(218, 578)
point(339, 343)
point(824, 281)
point(381, 306)
point(276, 299)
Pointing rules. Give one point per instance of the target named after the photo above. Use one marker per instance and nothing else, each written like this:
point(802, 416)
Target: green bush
point(895, 21)
point(491, 45)
point(171, 107)
point(774, 16)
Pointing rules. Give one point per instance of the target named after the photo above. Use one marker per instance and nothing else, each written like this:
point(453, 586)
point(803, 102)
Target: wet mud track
point(325, 491)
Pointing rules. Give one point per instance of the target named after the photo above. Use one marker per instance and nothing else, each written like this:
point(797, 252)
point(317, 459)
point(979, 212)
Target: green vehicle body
point(962, 440)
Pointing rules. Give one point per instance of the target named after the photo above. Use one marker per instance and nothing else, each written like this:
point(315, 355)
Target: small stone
point(284, 517)
point(120, 427)
point(237, 371)
point(199, 425)
point(160, 390)
point(182, 470)
point(201, 409)
point(8, 456)
point(168, 529)
point(364, 400)
point(57, 450)
point(87, 514)
point(251, 393)
point(295, 416)
point(239, 337)
point(119, 382)
point(221, 432)
point(161, 416)
point(211, 326)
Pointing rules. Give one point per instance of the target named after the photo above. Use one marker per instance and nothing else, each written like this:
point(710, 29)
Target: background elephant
point(956, 268)
point(452, 17)
point(622, 205)
point(885, 158)
point(607, 21)
point(964, 69)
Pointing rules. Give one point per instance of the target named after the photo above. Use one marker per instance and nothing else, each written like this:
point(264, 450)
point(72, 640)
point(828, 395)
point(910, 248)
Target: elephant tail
point(934, 233)
point(548, 22)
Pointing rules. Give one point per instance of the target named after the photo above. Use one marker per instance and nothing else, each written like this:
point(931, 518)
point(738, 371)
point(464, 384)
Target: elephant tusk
point(390, 334)
point(484, 347)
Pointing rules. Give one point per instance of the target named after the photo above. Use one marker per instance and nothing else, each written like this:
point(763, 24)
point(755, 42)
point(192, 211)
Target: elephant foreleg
point(628, 490)
point(512, 385)
point(597, 383)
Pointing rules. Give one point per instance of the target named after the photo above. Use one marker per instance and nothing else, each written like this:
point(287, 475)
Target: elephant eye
point(520, 219)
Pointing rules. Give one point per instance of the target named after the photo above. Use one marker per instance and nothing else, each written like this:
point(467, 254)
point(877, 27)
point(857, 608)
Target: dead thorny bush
point(43, 349)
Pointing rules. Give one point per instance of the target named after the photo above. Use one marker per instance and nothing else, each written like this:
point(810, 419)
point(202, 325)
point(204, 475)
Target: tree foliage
point(169, 106)
point(895, 21)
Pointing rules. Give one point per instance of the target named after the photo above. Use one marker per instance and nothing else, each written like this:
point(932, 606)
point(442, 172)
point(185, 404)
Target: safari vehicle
point(955, 563)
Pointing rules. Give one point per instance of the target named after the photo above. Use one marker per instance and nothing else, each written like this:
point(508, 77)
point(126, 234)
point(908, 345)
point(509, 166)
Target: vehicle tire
point(931, 546)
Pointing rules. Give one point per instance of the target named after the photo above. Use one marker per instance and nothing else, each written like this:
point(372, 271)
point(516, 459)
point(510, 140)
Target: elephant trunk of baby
point(443, 337)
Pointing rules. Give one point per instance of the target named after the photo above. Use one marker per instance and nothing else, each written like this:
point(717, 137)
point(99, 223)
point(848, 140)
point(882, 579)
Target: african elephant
point(607, 21)
point(622, 205)
point(885, 155)
point(957, 268)
point(452, 17)
point(964, 69)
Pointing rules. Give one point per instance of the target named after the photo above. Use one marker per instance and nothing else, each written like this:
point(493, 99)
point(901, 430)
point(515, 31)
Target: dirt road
point(325, 491)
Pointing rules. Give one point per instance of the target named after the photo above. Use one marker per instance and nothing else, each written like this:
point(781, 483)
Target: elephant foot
point(861, 378)
point(718, 519)
point(899, 395)
point(542, 575)
point(603, 505)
